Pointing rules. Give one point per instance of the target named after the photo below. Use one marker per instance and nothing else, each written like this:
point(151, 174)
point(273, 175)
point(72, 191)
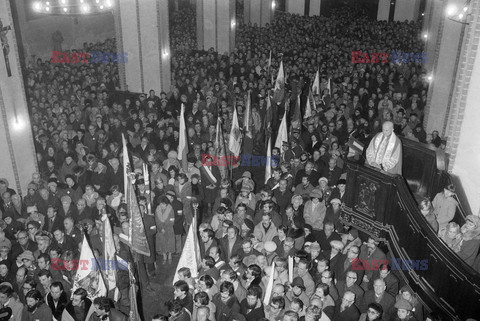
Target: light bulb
point(37, 6)
point(451, 9)
point(65, 9)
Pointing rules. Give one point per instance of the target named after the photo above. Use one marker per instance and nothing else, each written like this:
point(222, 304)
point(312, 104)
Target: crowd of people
point(248, 228)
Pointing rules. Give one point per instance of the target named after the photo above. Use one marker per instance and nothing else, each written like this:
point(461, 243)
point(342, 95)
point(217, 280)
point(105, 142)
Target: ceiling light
point(451, 9)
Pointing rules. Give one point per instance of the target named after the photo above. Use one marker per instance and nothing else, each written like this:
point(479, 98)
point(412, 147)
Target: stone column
point(216, 25)
point(443, 67)
point(383, 10)
point(315, 6)
point(406, 10)
point(18, 161)
point(295, 6)
point(258, 12)
point(463, 118)
point(143, 28)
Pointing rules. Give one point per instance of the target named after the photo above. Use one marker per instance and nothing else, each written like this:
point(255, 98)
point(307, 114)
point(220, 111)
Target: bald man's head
point(387, 128)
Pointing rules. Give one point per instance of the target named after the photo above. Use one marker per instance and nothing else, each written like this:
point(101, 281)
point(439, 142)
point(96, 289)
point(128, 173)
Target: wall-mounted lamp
point(165, 54)
point(274, 5)
point(233, 23)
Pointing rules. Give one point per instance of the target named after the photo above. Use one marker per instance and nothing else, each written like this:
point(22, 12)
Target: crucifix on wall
point(5, 46)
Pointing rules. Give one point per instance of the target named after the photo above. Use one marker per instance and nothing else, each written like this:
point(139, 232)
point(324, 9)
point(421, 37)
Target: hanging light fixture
point(72, 7)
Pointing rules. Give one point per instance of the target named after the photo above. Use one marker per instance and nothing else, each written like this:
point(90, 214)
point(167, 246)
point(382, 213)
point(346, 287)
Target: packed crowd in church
point(248, 228)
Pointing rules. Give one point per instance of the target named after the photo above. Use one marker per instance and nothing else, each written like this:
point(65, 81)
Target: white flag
point(290, 269)
point(268, 290)
point(316, 84)
point(88, 275)
point(235, 139)
point(190, 254)
point(282, 132)
point(110, 257)
point(268, 168)
point(308, 107)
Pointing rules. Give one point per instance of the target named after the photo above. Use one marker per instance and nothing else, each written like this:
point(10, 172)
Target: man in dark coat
point(57, 299)
point(380, 296)
point(54, 221)
point(77, 309)
point(346, 310)
point(225, 302)
point(252, 306)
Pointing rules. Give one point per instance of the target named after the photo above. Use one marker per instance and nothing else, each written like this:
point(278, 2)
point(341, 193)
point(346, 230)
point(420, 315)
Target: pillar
point(315, 7)
point(142, 26)
point(462, 132)
point(383, 10)
point(431, 24)
point(216, 25)
point(443, 68)
point(258, 12)
point(406, 10)
point(295, 7)
point(18, 161)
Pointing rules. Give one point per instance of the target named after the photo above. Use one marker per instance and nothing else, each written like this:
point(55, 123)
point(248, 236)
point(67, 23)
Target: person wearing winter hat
point(404, 311)
point(315, 210)
point(297, 290)
point(417, 308)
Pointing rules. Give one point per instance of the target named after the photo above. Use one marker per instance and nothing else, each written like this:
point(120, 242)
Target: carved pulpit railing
point(382, 205)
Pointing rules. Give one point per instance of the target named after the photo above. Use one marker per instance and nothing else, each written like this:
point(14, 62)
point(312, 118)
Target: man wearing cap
point(32, 197)
point(315, 210)
point(339, 190)
point(245, 181)
point(385, 150)
point(297, 290)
